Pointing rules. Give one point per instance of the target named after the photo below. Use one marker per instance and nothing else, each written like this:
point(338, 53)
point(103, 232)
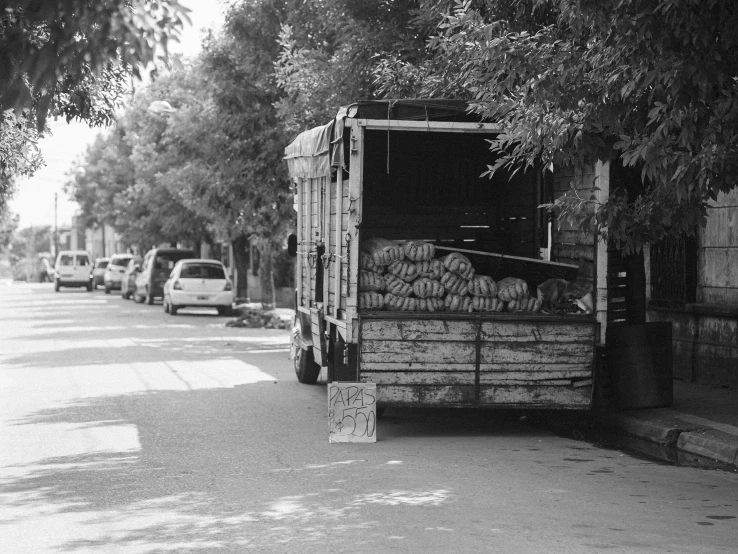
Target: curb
point(672, 429)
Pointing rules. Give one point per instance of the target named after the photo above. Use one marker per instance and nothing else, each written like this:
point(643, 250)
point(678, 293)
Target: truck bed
point(497, 360)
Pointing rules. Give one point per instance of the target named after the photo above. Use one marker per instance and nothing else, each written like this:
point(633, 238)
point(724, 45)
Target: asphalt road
point(123, 429)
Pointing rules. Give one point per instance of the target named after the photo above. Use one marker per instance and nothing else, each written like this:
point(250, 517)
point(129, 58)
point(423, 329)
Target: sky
point(34, 198)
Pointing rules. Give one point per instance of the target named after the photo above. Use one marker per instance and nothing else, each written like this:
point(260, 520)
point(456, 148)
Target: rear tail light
point(176, 286)
point(228, 286)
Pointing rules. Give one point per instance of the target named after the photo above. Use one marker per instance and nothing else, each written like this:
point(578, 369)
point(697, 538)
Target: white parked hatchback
point(201, 283)
point(73, 268)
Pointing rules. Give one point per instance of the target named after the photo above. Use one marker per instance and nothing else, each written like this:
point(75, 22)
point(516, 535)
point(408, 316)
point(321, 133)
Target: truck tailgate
point(492, 360)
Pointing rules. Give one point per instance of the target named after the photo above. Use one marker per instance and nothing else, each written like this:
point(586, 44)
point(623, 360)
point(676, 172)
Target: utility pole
point(56, 226)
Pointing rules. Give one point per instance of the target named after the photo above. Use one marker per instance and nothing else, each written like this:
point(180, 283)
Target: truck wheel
point(306, 369)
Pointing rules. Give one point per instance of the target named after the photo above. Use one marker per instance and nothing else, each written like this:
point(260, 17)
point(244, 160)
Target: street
point(124, 429)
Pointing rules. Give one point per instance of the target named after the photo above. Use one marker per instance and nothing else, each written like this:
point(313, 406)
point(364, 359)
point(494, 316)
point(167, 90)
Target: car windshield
point(102, 264)
point(202, 271)
point(120, 261)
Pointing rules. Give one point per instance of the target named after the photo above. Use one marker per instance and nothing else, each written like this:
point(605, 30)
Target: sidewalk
point(703, 421)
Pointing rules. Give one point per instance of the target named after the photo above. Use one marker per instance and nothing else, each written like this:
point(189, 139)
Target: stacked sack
point(408, 277)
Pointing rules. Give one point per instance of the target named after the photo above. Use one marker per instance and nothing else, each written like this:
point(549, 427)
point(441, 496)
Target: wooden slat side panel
point(527, 331)
point(419, 377)
point(421, 395)
point(413, 330)
point(525, 353)
point(534, 395)
point(417, 351)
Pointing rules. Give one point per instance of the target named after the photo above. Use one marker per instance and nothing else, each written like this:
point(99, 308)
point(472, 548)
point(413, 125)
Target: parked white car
point(114, 272)
point(201, 283)
point(73, 268)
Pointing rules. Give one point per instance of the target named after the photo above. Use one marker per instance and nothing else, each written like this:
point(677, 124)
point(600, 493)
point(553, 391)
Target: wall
point(705, 334)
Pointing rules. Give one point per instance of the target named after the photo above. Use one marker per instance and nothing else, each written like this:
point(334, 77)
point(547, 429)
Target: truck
point(417, 170)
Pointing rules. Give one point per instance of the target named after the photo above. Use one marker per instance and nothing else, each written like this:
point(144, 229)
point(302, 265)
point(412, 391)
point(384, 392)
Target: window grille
point(674, 272)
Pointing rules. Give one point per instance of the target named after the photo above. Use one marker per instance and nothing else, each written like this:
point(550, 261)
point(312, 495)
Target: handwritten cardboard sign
point(352, 412)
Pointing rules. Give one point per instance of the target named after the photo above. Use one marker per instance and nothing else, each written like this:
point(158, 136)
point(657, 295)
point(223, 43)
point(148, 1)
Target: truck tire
point(306, 369)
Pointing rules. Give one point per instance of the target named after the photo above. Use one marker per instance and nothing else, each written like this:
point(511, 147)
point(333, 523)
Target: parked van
point(73, 268)
point(157, 265)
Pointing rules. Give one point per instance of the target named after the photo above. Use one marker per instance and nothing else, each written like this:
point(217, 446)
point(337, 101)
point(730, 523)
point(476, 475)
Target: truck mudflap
point(478, 360)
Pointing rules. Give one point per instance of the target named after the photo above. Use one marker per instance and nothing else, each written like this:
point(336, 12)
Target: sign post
point(352, 412)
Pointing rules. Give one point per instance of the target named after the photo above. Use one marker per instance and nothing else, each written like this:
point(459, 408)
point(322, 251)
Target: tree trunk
point(635, 301)
point(266, 274)
point(241, 264)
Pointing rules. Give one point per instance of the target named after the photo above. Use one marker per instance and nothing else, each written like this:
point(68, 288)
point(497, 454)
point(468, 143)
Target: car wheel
point(225, 311)
point(149, 297)
point(56, 285)
point(89, 287)
point(107, 290)
point(173, 309)
point(165, 304)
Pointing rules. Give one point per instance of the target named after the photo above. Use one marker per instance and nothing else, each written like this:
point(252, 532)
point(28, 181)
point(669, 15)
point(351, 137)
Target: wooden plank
point(435, 126)
point(526, 331)
point(532, 352)
point(413, 329)
point(423, 395)
point(418, 351)
point(536, 395)
point(436, 378)
point(548, 370)
point(533, 376)
point(353, 206)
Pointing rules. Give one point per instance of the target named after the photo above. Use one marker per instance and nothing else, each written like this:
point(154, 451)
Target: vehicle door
point(82, 267)
point(65, 267)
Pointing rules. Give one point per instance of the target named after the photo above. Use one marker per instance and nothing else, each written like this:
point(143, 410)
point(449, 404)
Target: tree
point(249, 194)
point(8, 226)
point(649, 84)
point(70, 58)
point(329, 50)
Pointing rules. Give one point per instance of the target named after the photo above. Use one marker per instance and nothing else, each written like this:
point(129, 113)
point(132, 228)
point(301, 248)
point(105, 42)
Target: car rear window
point(202, 271)
point(66, 259)
point(82, 259)
point(166, 260)
point(120, 261)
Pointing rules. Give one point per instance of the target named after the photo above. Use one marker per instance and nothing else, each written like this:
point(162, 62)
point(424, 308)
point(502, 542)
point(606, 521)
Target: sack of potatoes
point(366, 261)
point(481, 285)
point(430, 305)
point(459, 264)
point(528, 305)
point(370, 281)
point(455, 284)
point(399, 303)
point(371, 301)
point(486, 304)
point(512, 288)
point(428, 288)
point(458, 303)
point(407, 271)
point(418, 250)
point(383, 251)
point(433, 269)
point(397, 286)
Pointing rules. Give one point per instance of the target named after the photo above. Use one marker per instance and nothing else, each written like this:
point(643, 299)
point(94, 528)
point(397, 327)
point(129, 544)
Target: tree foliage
point(650, 84)
point(70, 58)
